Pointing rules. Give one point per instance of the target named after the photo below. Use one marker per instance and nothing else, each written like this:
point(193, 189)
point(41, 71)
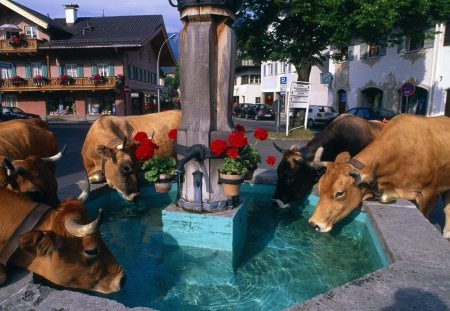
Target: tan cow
point(62, 245)
point(28, 155)
point(107, 158)
point(411, 157)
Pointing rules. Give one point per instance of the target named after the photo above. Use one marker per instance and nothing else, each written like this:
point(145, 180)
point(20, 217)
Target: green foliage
point(232, 166)
point(172, 84)
point(250, 154)
point(299, 31)
point(158, 165)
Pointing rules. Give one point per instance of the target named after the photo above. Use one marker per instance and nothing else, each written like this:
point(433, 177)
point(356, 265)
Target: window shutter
point(140, 74)
point(363, 51)
point(382, 51)
point(13, 70)
point(401, 45)
point(27, 71)
point(350, 53)
point(61, 70)
point(130, 72)
point(44, 70)
point(80, 72)
point(93, 69)
point(111, 70)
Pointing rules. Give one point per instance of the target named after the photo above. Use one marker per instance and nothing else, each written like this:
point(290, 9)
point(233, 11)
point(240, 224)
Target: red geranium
point(144, 151)
point(240, 128)
point(237, 140)
point(271, 160)
point(218, 146)
point(140, 137)
point(232, 152)
point(173, 134)
point(260, 134)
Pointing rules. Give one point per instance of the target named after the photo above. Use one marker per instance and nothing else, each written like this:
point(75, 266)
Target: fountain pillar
point(207, 51)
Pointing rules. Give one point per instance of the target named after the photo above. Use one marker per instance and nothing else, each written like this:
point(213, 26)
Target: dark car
point(260, 111)
point(10, 113)
point(372, 113)
point(240, 111)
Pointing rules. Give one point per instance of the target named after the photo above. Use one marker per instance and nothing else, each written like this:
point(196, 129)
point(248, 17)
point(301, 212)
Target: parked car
point(10, 113)
point(240, 111)
point(260, 111)
point(372, 113)
point(320, 115)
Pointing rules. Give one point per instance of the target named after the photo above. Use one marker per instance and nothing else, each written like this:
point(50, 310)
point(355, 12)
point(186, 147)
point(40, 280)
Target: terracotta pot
point(231, 184)
point(164, 183)
point(251, 170)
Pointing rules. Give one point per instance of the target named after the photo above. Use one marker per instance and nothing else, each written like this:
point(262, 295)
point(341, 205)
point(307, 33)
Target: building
point(80, 67)
point(247, 82)
point(374, 76)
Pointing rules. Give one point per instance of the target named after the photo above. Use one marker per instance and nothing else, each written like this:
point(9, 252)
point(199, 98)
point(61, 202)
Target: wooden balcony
point(53, 84)
point(28, 45)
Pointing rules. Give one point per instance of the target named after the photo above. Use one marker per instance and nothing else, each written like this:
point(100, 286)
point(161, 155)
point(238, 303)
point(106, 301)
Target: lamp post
point(158, 86)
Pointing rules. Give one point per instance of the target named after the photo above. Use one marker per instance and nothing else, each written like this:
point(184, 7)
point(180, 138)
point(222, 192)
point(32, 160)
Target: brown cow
point(409, 158)
point(297, 172)
point(62, 245)
point(107, 158)
point(33, 149)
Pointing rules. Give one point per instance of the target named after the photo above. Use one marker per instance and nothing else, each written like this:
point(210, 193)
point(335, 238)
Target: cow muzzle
point(116, 284)
point(319, 227)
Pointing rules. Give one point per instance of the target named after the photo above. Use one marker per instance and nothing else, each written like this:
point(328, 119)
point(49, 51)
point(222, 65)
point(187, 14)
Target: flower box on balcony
point(16, 80)
point(65, 79)
point(97, 78)
point(40, 80)
point(16, 41)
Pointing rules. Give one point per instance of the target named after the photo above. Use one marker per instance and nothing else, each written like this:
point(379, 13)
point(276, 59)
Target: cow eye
point(91, 253)
point(126, 168)
point(339, 194)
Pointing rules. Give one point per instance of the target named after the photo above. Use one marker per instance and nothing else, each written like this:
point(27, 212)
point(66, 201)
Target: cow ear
point(356, 175)
point(342, 157)
point(39, 243)
point(105, 152)
point(295, 148)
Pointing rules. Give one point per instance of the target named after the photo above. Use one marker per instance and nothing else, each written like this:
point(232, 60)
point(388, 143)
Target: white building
point(373, 76)
point(247, 82)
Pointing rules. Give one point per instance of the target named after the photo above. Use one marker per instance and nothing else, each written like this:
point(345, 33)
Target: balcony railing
point(26, 45)
point(53, 84)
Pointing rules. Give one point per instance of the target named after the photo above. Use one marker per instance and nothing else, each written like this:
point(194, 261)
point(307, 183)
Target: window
point(71, 70)
point(275, 65)
point(103, 70)
point(10, 101)
point(268, 69)
point(414, 43)
point(374, 50)
point(447, 34)
point(244, 79)
point(6, 73)
point(31, 32)
point(371, 51)
point(282, 67)
point(36, 69)
point(255, 79)
point(257, 100)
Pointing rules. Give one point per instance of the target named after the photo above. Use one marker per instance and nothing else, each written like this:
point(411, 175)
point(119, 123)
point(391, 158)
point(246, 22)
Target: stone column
point(207, 50)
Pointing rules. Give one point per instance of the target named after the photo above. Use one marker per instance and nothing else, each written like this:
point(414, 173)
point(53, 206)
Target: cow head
point(121, 168)
point(342, 188)
point(33, 177)
point(297, 174)
point(66, 248)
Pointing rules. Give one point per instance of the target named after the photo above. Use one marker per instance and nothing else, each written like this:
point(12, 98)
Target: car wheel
point(310, 123)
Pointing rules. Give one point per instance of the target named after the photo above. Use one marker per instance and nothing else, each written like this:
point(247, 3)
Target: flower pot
point(231, 184)
point(251, 170)
point(164, 183)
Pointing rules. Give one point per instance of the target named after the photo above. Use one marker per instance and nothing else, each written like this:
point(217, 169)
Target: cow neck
point(23, 221)
point(113, 143)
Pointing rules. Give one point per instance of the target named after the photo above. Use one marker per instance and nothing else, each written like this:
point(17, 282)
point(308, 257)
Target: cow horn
point(278, 148)
point(299, 161)
point(123, 144)
point(85, 193)
point(75, 229)
point(318, 154)
point(56, 157)
point(10, 169)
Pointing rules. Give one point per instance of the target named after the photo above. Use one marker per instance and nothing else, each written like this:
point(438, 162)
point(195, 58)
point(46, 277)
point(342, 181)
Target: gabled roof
point(38, 18)
point(114, 31)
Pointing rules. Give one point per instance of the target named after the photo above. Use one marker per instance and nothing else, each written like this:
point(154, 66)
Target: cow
point(298, 173)
point(28, 155)
point(108, 150)
point(63, 245)
point(410, 160)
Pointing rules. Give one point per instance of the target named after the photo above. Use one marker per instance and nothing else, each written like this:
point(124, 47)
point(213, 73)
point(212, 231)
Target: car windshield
point(384, 113)
point(12, 109)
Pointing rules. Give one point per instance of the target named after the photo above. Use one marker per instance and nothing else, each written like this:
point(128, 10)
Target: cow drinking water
point(410, 159)
point(297, 171)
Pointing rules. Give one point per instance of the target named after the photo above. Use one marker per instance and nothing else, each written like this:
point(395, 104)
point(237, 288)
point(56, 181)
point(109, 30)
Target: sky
point(95, 8)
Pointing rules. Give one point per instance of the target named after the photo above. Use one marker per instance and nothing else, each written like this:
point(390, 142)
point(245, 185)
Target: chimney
point(71, 13)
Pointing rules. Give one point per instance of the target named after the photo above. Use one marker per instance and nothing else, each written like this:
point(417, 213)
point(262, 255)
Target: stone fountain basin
point(418, 276)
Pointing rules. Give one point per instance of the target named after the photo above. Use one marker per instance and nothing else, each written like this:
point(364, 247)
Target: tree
point(172, 84)
point(298, 31)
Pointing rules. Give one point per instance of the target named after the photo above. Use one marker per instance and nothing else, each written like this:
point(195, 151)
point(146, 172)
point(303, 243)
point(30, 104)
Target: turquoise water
point(284, 261)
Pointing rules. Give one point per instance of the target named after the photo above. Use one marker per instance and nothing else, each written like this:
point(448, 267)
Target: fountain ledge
point(417, 278)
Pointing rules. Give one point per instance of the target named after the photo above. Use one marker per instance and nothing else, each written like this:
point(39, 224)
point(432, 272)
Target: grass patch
point(299, 133)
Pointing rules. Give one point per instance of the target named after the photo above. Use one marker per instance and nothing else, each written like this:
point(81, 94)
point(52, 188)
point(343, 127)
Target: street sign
point(5, 65)
point(299, 95)
point(283, 88)
point(283, 80)
point(127, 89)
point(159, 87)
point(408, 88)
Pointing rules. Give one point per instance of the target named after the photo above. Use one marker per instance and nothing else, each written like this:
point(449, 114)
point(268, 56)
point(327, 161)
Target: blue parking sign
point(283, 80)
